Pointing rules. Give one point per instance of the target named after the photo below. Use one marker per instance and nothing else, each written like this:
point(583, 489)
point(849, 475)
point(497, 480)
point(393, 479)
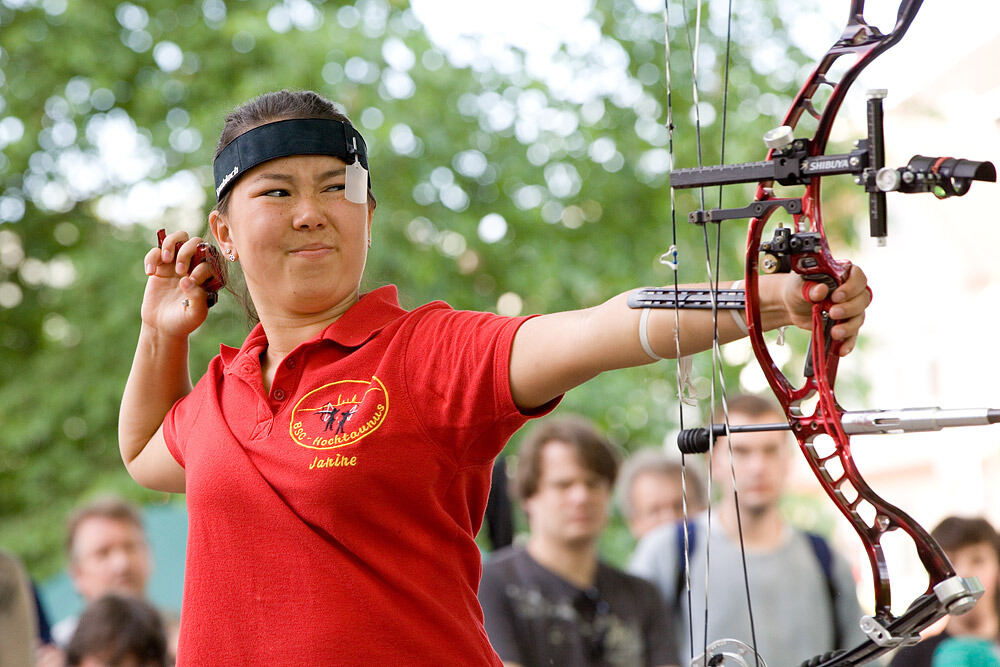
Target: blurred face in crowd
point(571, 503)
point(109, 556)
point(656, 498)
point(979, 560)
point(761, 462)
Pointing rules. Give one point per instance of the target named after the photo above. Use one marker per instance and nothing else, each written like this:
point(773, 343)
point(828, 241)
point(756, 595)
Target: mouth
point(311, 250)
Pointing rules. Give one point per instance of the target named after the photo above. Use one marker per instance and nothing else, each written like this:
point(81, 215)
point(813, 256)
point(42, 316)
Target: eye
point(277, 192)
point(336, 187)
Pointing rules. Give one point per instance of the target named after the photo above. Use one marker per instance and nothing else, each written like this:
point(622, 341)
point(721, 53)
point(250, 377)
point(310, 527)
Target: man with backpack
point(803, 595)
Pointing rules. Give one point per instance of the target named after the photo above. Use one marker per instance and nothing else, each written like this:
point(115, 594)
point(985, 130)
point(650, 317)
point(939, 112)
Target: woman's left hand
point(849, 303)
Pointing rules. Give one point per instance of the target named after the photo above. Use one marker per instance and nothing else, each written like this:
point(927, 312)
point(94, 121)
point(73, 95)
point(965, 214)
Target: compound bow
point(803, 248)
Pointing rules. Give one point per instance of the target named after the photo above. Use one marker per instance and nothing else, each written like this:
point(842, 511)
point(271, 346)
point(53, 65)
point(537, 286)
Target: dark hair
point(115, 509)
point(750, 405)
point(116, 627)
point(956, 532)
point(596, 453)
point(268, 108)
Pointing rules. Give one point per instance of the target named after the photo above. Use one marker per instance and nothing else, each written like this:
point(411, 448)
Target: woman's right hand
point(174, 302)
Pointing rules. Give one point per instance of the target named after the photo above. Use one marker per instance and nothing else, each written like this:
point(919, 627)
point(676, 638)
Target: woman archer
point(369, 558)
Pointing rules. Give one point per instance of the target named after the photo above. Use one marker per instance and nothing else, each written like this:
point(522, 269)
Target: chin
point(755, 506)
point(580, 540)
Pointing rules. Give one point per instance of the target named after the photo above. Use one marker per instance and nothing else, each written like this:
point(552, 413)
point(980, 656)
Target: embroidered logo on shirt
point(339, 413)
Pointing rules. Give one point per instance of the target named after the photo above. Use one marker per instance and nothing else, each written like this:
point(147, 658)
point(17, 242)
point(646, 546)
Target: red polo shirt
point(332, 520)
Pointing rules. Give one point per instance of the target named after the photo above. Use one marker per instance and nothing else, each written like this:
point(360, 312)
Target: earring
point(230, 255)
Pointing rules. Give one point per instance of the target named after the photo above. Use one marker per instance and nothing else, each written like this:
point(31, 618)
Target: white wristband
point(738, 314)
point(644, 335)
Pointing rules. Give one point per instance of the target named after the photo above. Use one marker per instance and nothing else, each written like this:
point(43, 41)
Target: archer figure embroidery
point(328, 414)
point(344, 418)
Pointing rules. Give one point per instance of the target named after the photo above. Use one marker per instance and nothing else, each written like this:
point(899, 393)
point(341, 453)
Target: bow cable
point(670, 258)
point(717, 352)
point(683, 371)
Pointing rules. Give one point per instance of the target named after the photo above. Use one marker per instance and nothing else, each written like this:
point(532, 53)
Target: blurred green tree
point(496, 191)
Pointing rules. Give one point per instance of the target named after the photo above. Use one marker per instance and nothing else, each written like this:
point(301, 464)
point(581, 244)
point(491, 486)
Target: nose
point(756, 466)
point(309, 214)
point(580, 493)
point(667, 513)
point(120, 560)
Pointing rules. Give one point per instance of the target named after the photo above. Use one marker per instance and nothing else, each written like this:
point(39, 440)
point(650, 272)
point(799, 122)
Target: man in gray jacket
point(803, 595)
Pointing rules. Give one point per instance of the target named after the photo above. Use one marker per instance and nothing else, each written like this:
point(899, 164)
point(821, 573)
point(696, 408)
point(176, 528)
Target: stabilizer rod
point(860, 422)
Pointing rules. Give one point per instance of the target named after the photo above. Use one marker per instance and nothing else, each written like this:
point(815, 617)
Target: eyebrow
point(288, 178)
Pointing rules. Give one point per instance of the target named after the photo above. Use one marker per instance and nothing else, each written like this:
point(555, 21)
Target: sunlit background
point(537, 183)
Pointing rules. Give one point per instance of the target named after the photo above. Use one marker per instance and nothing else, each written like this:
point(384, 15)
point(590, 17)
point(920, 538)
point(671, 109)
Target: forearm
point(158, 379)
point(696, 330)
point(554, 353)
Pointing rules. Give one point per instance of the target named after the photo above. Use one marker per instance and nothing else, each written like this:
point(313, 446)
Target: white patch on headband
point(356, 182)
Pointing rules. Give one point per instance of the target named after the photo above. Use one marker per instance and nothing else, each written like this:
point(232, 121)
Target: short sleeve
point(848, 608)
point(498, 616)
point(458, 375)
point(178, 425)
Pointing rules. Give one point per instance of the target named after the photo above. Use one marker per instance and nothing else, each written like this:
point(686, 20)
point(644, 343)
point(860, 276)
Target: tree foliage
point(496, 191)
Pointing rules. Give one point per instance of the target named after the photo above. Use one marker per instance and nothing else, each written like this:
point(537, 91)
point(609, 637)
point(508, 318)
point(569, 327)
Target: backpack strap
point(679, 583)
point(824, 555)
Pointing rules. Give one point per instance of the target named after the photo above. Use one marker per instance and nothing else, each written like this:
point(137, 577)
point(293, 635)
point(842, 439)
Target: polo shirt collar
point(367, 317)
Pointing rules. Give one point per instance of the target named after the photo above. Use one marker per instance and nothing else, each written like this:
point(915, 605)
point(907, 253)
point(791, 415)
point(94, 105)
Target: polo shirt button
point(290, 363)
point(279, 395)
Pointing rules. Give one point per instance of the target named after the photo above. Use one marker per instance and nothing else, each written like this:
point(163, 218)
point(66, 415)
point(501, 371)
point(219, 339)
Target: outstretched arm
point(172, 307)
point(553, 353)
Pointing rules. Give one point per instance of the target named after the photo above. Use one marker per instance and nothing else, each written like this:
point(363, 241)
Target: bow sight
point(793, 162)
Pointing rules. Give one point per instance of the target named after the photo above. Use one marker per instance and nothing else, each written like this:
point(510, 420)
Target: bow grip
point(203, 253)
point(805, 253)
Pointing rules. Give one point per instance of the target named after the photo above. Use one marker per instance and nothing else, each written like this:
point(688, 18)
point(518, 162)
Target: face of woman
point(302, 246)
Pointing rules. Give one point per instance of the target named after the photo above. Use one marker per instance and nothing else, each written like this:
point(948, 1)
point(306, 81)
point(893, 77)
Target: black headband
point(298, 136)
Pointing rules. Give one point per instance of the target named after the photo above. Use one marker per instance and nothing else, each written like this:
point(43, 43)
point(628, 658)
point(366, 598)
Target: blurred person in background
point(803, 592)
point(118, 631)
point(108, 553)
point(969, 640)
point(650, 492)
point(18, 625)
point(552, 601)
